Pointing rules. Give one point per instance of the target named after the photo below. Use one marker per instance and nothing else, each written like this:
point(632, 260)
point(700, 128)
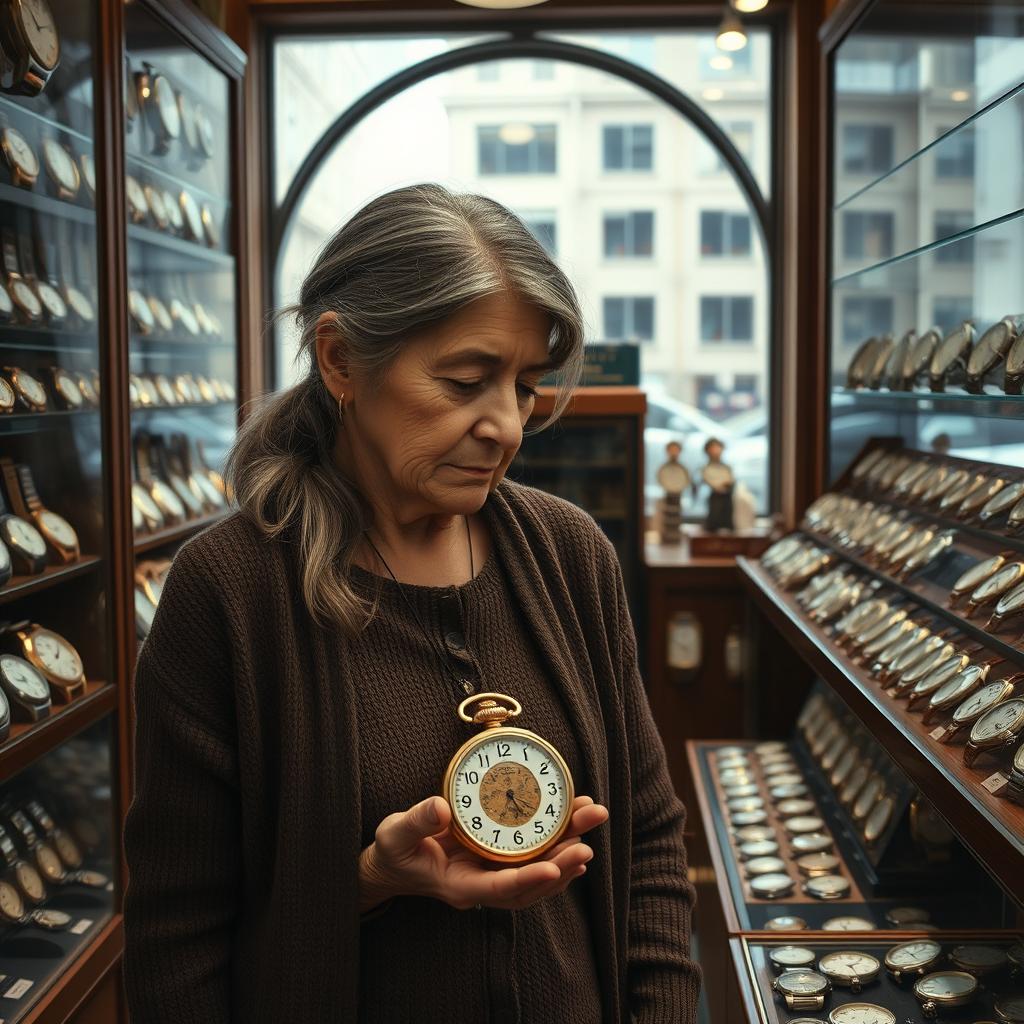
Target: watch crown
point(490, 714)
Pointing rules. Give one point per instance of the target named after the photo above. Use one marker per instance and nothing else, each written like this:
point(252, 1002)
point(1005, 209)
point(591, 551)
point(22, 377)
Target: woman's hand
point(414, 854)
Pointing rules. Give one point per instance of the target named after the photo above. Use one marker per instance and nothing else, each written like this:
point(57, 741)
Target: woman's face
point(440, 429)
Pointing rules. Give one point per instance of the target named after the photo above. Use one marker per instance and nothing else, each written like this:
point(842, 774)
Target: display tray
point(871, 896)
point(756, 973)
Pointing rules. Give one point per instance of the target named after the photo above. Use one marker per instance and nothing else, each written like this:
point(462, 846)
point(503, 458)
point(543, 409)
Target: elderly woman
point(296, 698)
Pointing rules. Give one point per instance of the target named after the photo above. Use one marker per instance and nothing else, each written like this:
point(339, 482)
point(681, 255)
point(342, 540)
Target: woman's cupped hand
point(415, 854)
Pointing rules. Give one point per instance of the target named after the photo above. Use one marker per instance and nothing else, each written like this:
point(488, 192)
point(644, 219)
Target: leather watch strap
point(12, 485)
point(28, 487)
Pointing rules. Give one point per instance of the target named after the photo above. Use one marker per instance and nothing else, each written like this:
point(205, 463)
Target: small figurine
point(718, 476)
point(674, 478)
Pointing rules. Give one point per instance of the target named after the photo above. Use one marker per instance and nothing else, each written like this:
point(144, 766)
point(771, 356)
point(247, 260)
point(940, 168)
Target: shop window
point(951, 222)
point(867, 148)
point(543, 226)
point(629, 234)
point(628, 147)
point(865, 316)
point(868, 235)
point(728, 318)
point(954, 156)
point(724, 234)
point(498, 156)
point(628, 318)
point(950, 311)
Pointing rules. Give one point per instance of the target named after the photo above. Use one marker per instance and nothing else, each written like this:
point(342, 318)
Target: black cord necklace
point(462, 686)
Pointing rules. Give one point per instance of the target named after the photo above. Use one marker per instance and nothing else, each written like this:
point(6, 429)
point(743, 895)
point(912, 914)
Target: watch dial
point(5, 558)
point(68, 849)
point(60, 165)
point(41, 31)
point(167, 500)
point(849, 965)
point(24, 678)
point(827, 886)
point(52, 300)
point(946, 985)
point(24, 295)
point(53, 920)
point(30, 881)
point(68, 388)
point(79, 303)
point(136, 198)
point(913, 954)
point(145, 504)
point(813, 843)
point(167, 106)
point(21, 153)
point(999, 583)
point(785, 923)
point(31, 387)
point(172, 209)
point(878, 819)
point(88, 172)
point(59, 528)
point(11, 905)
point(24, 537)
point(193, 218)
point(847, 923)
point(509, 793)
point(861, 1013)
point(791, 956)
point(185, 316)
point(1011, 602)
point(802, 983)
point(1002, 717)
point(49, 863)
point(144, 610)
point(57, 656)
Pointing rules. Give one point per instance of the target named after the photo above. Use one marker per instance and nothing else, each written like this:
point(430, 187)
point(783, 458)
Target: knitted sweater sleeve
point(664, 982)
point(182, 831)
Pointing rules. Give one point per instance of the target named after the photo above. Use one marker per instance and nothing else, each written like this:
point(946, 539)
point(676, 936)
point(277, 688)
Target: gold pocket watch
point(510, 791)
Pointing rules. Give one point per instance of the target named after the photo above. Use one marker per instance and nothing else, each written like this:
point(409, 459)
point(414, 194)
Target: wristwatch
point(28, 880)
point(1002, 501)
point(56, 658)
point(1013, 380)
point(161, 315)
point(48, 860)
point(879, 360)
point(1016, 788)
point(946, 673)
point(195, 474)
point(878, 820)
point(192, 216)
point(168, 470)
point(955, 691)
point(950, 355)
point(65, 389)
point(995, 586)
point(21, 158)
point(1009, 606)
point(31, 46)
point(61, 169)
point(159, 107)
point(85, 385)
point(989, 352)
point(175, 219)
point(25, 543)
point(957, 495)
point(914, 958)
point(22, 294)
point(184, 317)
point(155, 202)
point(1000, 726)
point(211, 229)
point(945, 989)
point(138, 208)
point(25, 688)
point(169, 504)
point(979, 497)
point(141, 312)
point(802, 989)
point(57, 531)
point(849, 969)
point(66, 847)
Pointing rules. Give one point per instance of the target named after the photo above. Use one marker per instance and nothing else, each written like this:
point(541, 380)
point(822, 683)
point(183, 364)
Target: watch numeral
point(525, 758)
point(550, 810)
point(517, 837)
point(538, 827)
point(552, 789)
point(471, 777)
point(466, 800)
point(477, 824)
point(484, 760)
point(504, 749)
point(497, 834)
point(544, 768)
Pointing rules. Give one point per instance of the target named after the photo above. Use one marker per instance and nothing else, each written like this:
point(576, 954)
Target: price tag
point(81, 926)
point(995, 784)
point(939, 733)
point(18, 989)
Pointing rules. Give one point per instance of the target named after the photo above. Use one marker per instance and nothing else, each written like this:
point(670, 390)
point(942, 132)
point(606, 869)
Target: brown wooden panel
point(105, 1005)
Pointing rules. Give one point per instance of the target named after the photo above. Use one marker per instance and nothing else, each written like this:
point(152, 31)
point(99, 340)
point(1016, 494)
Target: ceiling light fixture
point(749, 6)
point(721, 62)
point(731, 36)
point(501, 5)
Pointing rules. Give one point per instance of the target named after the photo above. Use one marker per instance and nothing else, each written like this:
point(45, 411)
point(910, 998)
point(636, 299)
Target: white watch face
point(136, 196)
point(509, 794)
point(848, 924)
point(193, 217)
point(60, 165)
point(181, 313)
point(22, 154)
point(52, 300)
point(79, 303)
point(913, 954)
point(828, 886)
point(946, 986)
point(41, 31)
point(160, 314)
point(999, 719)
point(24, 536)
point(792, 956)
point(28, 878)
point(68, 388)
point(1002, 580)
point(24, 677)
point(58, 657)
point(32, 388)
point(21, 290)
point(5, 558)
point(861, 1013)
point(59, 528)
point(156, 205)
point(849, 965)
point(11, 905)
point(959, 684)
point(145, 504)
point(167, 500)
point(167, 106)
point(172, 209)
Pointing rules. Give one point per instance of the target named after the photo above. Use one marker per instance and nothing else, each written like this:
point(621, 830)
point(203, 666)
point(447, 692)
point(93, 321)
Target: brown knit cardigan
point(243, 837)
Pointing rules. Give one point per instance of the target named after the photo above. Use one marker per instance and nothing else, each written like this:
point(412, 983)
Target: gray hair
point(407, 260)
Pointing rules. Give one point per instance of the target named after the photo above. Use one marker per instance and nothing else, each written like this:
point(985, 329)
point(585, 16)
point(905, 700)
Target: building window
point(728, 318)
point(629, 234)
point(952, 222)
point(628, 318)
point(865, 316)
point(745, 388)
point(628, 147)
point(535, 156)
point(867, 148)
point(950, 311)
point(740, 66)
point(488, 71)
point(543, 70)
point(867, 236)
point(741, 134)
point(724, 234)
point(954, 156)
point(543, 226)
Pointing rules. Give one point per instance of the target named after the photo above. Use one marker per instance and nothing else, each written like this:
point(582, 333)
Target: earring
point(341, 406)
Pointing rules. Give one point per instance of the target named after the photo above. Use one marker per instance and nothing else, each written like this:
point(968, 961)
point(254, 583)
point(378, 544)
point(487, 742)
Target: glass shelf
point(991, 403)
point(180, 246)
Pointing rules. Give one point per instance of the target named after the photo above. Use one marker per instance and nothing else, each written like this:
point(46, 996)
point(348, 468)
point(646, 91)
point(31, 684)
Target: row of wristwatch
point(146, 390)
point(21, 391)
point(176, 212)
point(173, 482)
point(916, 658)
point(937, 988)
point(943, 488)
point(68, 176)
point(180, 317)
point(942, 361)
point(37, 667)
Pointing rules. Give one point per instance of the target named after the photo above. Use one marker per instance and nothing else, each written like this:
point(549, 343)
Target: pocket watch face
point(51, 919)
point(1002, 500)
point(61, 166)
point(49, 863)
point(68, 388)
point(748, 803)
point(909, 955)
point(999, 583)
point(849, 965)
point(25, 297)
point(991, 347)
point(769, 865)
point(878, 820)
point(848, 923)
point(54, 302)
point(801, 983)
point(166, 106)
point(40, 30)
point(827, 887)
point(743, 818)
point(791, 808)
point(818, 864)
point(509, 792)
point(760, 848)
point(978, 958)
point(791, 956)
point(23, 536)
point(861, 1013)
point(21, 154)
point(754, 834)
point(59, 529)
point(785, 923)
point(56, 655)
point(946, 985)
point(748, 789)
point(11, 905)
point(24, 678)
point(772, 886)
point(803, 823)
point(30, 881)
point(1000, 719)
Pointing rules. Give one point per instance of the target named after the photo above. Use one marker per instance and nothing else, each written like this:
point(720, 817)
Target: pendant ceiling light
point(749, 6)
point(731, 36)
point(501, 5)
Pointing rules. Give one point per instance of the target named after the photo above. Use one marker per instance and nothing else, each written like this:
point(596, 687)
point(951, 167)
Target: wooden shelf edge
point(78, 982)
point(973, 814)
point(21, 586)
point(27, 742)
point(149, 541)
